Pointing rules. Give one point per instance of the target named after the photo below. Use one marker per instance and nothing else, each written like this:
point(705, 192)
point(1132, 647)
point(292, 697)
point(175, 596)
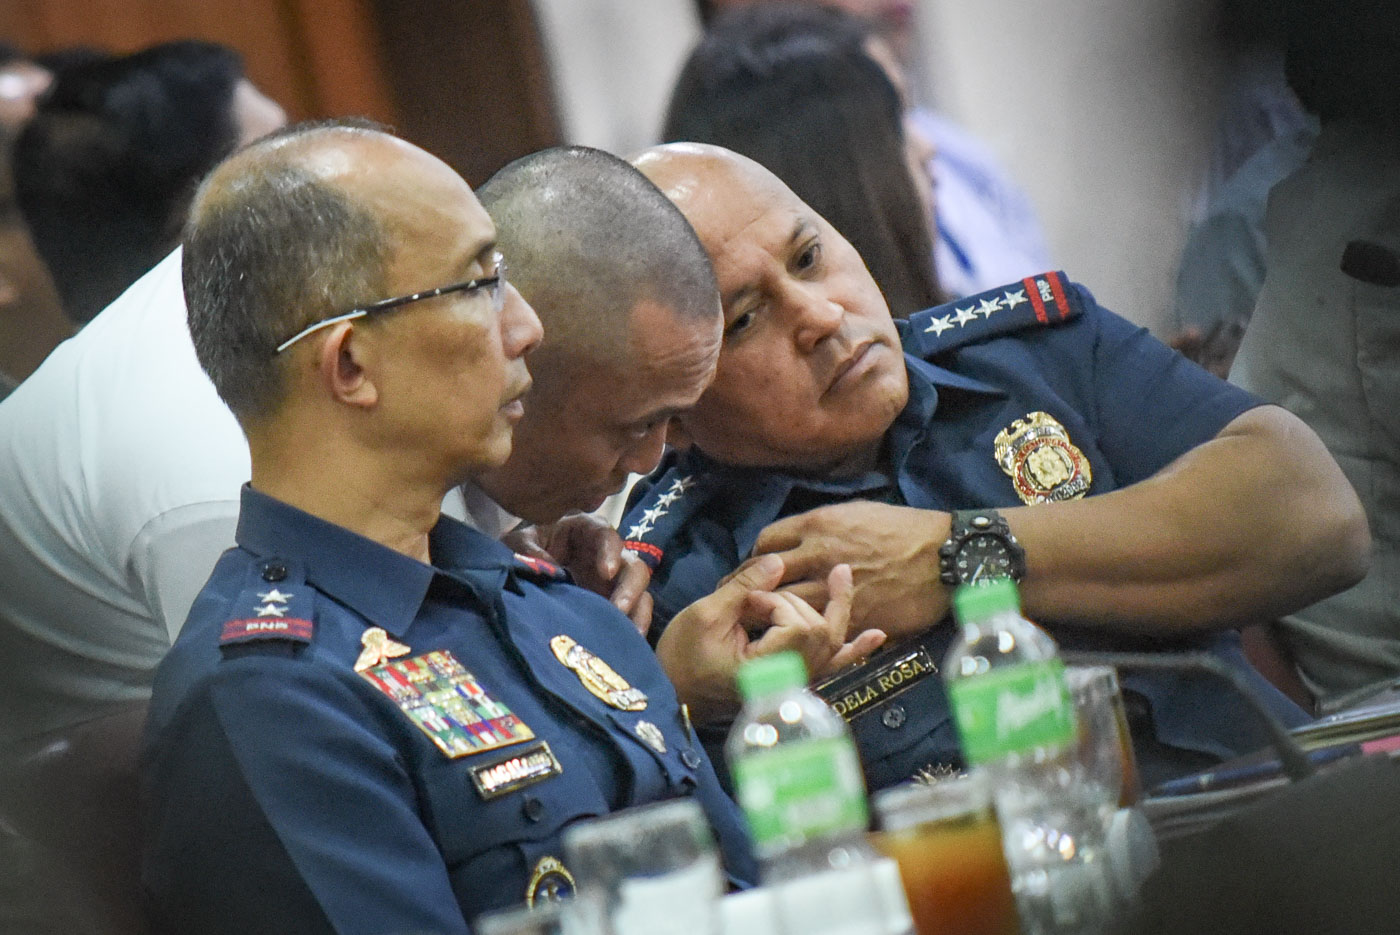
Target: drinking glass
point(946, 839)
point(1105, 748)
point(652, 870)
point(543, 919)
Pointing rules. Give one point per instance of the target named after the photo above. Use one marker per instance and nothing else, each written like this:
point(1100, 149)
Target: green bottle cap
point(974, 602)
point(769, 675)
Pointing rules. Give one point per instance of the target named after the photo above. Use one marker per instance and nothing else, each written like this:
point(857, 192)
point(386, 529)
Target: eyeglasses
point(495, 287)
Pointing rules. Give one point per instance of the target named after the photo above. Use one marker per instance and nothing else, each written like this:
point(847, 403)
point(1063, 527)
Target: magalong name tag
point(525, 767)
point(446, 702)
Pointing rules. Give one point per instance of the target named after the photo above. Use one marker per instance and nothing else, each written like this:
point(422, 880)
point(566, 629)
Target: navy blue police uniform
point(1034, 369)
point(344, 739)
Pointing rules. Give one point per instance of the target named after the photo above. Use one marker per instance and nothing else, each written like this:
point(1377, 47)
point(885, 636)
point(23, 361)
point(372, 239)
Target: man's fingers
point(795, 625)
point(757, 574)
point(631, 584)
point(865, 643)
point(841, 586)
point(641, 613)
point(813, 592)
point(525, 540)
point(780, 536)
point(606, 546)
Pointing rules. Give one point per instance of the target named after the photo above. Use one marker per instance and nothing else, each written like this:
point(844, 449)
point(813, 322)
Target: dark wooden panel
point(469, 79)
point(315, 57)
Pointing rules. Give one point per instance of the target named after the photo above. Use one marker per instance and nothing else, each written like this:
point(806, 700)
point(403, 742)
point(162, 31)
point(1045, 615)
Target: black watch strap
point(968, 525)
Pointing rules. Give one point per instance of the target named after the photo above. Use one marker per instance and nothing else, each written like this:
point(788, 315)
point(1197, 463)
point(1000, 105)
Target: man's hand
point(704, 644)
point(592, 552)
point(892, 551)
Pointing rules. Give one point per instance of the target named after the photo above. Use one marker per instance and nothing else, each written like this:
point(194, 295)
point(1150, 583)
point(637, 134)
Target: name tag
point(879, 679)
point(524, 768)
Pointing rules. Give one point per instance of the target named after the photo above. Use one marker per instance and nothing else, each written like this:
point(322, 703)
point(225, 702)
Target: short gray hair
point(588, 237)
point(270, 248)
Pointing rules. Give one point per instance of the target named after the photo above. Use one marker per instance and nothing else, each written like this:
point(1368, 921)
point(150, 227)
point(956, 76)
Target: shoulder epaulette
point(667, 505)
point(1034, 302)
point(276, 605)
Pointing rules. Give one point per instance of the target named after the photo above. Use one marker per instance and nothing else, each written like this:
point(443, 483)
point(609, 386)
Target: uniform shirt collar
point(767, 489)
point(925, 379)
point(382, 585)
point(484, 514)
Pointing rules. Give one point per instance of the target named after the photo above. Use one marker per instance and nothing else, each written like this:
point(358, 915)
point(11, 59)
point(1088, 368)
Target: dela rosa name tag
point(879, 679)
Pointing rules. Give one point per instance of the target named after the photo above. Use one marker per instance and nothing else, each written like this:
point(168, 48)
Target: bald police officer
point(1025, 431)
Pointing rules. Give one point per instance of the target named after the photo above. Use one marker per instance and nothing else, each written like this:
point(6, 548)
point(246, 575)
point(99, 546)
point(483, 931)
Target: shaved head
point(811, 373)
point(588, 238)
point(631, 320)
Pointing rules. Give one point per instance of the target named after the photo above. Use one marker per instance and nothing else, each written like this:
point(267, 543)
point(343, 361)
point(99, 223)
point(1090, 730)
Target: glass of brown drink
point(945, 837)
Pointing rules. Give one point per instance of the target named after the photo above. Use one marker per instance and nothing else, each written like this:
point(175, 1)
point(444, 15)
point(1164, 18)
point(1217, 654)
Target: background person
point(792, 86)
point(105, 168)
point(987, 233)
point(1324, 338)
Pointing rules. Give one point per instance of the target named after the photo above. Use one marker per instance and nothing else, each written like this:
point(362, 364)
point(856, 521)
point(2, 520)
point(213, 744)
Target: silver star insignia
point(989, 306)
point(965, 315)
point(275, 597)
point(1014, 299)
point(939, 325)
point(639, 530)
point(682, 484)
point(271, 610)
point(667, 498)
point(652, 515)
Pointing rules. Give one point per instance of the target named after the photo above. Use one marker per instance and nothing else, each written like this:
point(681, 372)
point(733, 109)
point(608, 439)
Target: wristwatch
point(980, 546)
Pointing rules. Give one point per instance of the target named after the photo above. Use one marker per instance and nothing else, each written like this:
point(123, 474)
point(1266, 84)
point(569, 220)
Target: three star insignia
point(663, 506)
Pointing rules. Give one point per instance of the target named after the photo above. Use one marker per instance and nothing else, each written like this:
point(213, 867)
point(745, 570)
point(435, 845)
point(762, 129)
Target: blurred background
point(1103, 111)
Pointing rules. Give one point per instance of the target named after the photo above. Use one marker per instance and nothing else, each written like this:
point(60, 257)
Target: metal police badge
point(550, 882)
point(1043, 464)
point(597, 676)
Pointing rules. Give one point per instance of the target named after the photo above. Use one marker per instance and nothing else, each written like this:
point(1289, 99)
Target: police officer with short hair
point(1025, 431)
point(376, 718)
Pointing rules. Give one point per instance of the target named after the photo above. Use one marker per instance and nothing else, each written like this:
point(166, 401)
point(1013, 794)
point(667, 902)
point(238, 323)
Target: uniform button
point(690, 758)
point(532, 808)
point(894, 717)
point(274, 571)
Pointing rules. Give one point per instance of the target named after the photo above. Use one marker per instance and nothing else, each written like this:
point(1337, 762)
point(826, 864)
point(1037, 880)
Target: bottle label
point(1012, 710)
point(794, 793)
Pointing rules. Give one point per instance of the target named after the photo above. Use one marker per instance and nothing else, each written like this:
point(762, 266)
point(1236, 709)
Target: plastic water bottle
point(800, 785)
point(1006, 686)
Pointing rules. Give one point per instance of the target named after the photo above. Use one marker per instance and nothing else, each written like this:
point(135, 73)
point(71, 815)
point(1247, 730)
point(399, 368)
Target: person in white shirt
point(119, 478)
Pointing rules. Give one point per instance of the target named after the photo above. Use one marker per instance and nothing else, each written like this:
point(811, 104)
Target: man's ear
point(342, 366)
point(676, 435)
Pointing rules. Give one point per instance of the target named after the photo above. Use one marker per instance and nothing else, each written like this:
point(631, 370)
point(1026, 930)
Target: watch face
point(982, 557)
